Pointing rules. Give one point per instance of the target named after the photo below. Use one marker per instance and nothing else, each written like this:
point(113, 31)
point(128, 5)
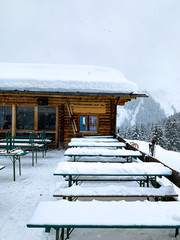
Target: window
point(47, 118)
point(25, 118)
point(88, 123)
point(5, 117)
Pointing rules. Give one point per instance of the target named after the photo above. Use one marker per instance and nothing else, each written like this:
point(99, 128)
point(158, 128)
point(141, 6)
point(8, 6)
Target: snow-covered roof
point(63, 78)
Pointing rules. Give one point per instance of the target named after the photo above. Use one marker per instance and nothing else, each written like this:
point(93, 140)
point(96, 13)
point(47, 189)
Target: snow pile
point(63, 78)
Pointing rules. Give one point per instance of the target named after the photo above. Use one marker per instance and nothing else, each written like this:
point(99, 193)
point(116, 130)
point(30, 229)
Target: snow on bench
point(100, 214)
point(94, 140)
point(99, 136)
point(86, 152)
point(102, 159)
point(106, 178)
point(97, 144)
point(114, 191)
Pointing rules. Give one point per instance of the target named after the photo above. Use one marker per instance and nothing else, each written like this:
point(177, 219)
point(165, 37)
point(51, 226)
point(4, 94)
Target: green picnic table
point(15, 156)
point(33, 146)
point(62, 214)
point(38, 140)
point(148, 170)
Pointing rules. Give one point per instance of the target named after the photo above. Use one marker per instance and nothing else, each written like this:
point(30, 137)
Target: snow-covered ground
point(170, 158)
point(19, 199)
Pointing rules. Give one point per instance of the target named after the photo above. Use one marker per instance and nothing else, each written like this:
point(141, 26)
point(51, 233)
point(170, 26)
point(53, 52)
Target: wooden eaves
point(91, 94)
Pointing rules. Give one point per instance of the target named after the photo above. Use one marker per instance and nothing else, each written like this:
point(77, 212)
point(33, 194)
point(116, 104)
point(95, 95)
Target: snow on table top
point(99, 136)
point(96, 144)
point(101, 152)
point(11, 152)
point(82, 168)
point(98, 213)
point(63, 78)
point(15, 144)
point(95, 140)
point(113, 190)
point(27, 140)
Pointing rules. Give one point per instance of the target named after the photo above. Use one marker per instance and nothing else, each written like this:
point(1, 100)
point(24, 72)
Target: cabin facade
point(62, 114)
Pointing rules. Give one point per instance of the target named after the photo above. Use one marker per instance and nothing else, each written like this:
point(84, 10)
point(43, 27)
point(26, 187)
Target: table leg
point(70, 180)
point(36, 155)
point(147, 181)
point(57, 233)
point(19, 159)
point(62, 234)
point(14, 168)
point(176, 232)
point(32, 156)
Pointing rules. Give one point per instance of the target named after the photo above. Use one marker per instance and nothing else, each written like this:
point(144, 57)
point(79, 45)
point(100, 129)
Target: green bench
point(114, 191)
point(97, 144)
point(86, 152)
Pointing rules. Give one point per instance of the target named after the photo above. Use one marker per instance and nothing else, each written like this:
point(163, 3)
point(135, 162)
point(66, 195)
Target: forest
point(166, 132)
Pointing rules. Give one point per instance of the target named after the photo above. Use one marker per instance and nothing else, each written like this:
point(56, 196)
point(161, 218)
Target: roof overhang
point(91, 94)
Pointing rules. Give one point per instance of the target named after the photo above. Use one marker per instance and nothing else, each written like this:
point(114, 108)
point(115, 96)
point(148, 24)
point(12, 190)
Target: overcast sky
point(141, 38)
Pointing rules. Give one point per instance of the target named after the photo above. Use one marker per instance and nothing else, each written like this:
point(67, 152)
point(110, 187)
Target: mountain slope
point(140, 111)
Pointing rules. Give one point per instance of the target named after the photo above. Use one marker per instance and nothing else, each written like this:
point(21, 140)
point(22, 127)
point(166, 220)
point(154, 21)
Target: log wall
point(102, 107)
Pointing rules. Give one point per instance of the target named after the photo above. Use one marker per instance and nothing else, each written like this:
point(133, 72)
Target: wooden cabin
point(64, 101)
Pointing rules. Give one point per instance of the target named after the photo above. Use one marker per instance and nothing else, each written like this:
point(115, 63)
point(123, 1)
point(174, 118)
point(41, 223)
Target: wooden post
point(36, 118)
point(13, 132)
point(57, 126)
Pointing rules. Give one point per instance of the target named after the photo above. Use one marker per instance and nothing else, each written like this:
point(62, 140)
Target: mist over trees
point(140, 111)
point(166, 132)
point(144, 117)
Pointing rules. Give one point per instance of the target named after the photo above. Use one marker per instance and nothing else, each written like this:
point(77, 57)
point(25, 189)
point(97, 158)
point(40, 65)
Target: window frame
point(89, 115)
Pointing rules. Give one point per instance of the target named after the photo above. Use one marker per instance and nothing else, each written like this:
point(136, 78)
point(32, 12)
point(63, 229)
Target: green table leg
point(62, 234)
point(57, 233)
point(32, 156)
point(19, 159)
point(176, 232)
point(36, 155)
point(14, 168)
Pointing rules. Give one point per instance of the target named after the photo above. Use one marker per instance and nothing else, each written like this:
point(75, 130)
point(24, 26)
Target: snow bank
point(63, 78)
